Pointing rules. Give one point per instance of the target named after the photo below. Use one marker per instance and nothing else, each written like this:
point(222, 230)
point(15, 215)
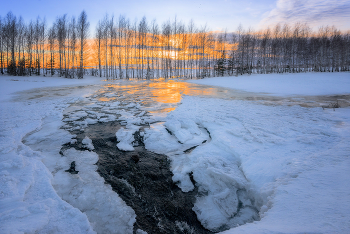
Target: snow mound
point(214, 166)
point(175, 135)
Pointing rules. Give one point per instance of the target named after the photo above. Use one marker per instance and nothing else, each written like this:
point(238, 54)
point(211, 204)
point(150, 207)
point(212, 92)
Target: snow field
point(36, 194)
point(29, 203)
point(10, 85)
point(311, 83)
point(287, 162)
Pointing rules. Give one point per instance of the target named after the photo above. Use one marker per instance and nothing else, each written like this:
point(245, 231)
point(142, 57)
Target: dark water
point(144, 181)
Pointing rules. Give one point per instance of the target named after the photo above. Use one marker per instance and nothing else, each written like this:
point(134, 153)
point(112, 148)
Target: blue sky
point(216, 14)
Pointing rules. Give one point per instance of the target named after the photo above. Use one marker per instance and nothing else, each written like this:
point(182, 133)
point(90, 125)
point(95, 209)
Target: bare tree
point(52, 48)
point(12, 33)
point(2, 38)
point(83, 33)
point(72, 44)
point(98, 42)
point(29, 46)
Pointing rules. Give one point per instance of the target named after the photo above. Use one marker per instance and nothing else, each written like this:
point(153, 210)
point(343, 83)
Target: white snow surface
point(292, 161)
point(36, 194)
point(125, 137)
point(9, 85)
point(317, 83)
point(87, 143)
point(289, 162)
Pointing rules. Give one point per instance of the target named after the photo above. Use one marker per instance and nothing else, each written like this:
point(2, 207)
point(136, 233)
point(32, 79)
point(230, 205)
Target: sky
point(217, 15)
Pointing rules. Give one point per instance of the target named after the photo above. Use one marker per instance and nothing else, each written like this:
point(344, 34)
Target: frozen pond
point(117, 119)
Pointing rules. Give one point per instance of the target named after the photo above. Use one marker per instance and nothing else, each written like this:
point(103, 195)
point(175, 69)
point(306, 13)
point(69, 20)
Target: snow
point(36, 194)
point(125, 137)
point(320, 83)
point(9, 85)
point(289, 162)
point(139, 231)
point(261, 149)
point(87, 143)
point(282, 168)
point(174, 135)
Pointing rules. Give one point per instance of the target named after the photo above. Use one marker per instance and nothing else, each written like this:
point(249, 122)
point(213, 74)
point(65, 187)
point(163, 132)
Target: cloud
point(313, 12)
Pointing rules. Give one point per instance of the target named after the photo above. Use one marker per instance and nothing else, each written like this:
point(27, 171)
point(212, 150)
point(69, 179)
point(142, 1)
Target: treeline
point(32, 48)
point(287, 49)
point(121, 49)
point(124, 49)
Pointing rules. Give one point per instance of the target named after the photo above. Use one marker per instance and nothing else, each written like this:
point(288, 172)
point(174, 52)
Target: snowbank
point(320, 83)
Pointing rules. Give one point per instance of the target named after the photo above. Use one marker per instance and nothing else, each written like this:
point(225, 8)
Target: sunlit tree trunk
point(83, 32)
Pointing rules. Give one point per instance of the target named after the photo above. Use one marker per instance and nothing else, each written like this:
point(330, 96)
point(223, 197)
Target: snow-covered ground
point(293, 161)
point(296, 160)
point(287, 167)
point(36, 195)
point(316, 83)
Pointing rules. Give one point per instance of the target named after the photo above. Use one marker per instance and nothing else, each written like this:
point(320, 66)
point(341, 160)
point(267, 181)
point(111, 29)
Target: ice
point(157, 139)
point(130, 105)
point(87, 143)
point(107, 118)
point(182, 134)
point(9, 86)
point(91, 121)
point(114, 104)
point(139, 231)
point(87, 188)
point(214, 165)
point(125, 137)
point(207, 211)
point(174, 136)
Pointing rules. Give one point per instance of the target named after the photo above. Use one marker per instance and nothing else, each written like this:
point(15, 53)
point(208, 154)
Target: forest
point(119, 48)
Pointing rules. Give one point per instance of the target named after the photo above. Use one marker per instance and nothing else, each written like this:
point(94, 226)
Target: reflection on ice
point(159, 96)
